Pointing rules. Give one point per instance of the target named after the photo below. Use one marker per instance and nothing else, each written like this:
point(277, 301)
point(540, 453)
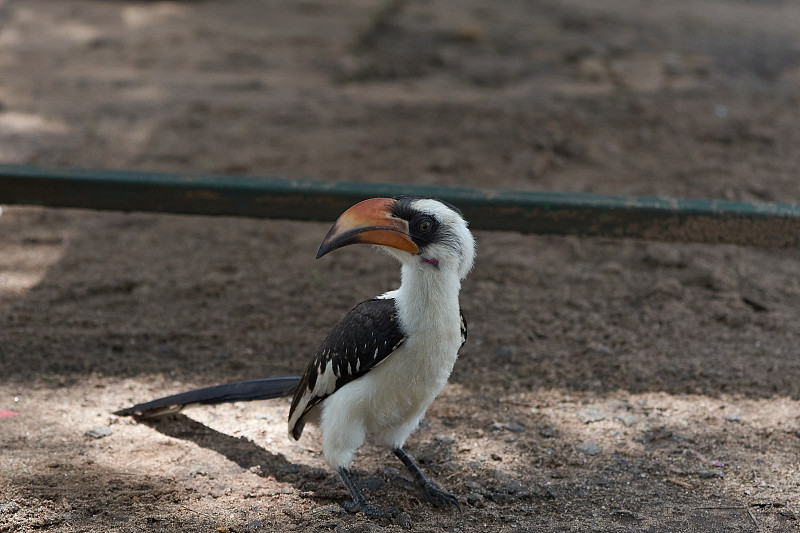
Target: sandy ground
point(607, 385)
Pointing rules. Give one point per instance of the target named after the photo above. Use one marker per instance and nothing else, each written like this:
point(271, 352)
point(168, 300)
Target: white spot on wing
point(326, 381)
point(387, 295)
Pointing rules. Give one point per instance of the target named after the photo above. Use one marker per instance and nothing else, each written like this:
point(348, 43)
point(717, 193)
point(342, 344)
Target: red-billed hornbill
point(381, 367)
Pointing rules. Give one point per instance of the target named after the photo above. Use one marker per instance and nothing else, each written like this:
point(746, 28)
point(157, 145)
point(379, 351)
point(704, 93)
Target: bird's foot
point(369, 510)
point(434, 496)
point(438, 497)
point(360, 503)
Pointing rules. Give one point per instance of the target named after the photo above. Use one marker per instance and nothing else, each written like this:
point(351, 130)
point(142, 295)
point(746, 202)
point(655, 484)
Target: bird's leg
point(359, 502)
point(434, 495)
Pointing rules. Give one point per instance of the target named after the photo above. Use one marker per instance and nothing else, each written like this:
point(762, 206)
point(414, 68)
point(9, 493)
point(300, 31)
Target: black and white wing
point(367, 335)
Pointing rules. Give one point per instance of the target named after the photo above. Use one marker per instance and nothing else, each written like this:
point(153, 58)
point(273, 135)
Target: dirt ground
point(607, 385)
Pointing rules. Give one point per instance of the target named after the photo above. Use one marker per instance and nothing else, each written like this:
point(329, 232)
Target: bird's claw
point(439, 498)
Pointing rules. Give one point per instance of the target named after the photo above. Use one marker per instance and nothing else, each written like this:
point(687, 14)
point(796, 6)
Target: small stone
point(475, 499)
point(627, 419)
point(514, 427)
point(98, 432)
point(720, 281)
point(620, 405)
point(589, 448)
point(9, 508)
point(713, 278)
point(504, 353)
point(668, 287)
point(507, 493)
point(198, 471)
point(592, 69)
point(512, 487)
point(402, 520)
point(390, 471)
point(472, 485)
point(664, 255)
point(593, 414)
point(255, 524)
point(626, 515)
point(756, 303)
point(550, 432)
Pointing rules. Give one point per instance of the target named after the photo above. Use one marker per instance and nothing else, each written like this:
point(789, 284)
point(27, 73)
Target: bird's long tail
point(243, 391)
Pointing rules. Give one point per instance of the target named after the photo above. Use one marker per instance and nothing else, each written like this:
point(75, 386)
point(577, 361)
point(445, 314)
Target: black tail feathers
point(243, 391)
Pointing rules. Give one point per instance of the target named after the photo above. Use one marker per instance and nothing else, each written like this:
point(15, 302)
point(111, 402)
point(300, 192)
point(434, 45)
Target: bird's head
point(425, 232)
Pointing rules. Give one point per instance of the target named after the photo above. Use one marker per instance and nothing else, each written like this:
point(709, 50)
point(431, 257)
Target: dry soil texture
point(607, 385)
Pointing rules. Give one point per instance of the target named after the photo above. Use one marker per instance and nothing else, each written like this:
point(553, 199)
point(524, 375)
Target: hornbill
point(381, 367)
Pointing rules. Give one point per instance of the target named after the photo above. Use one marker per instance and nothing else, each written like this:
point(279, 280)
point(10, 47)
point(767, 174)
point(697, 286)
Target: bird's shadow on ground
point(242, 451)
point(316, 483)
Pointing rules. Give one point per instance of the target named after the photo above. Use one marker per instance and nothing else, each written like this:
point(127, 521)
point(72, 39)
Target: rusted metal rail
point(710, 221)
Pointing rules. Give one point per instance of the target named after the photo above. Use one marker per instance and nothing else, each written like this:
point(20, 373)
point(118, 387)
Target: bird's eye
point(424, 226)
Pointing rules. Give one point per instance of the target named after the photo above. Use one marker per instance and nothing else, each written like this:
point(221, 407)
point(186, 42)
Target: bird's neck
point(428, 298)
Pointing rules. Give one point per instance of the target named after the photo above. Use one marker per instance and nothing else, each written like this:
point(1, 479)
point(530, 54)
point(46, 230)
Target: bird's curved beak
point(369, 222)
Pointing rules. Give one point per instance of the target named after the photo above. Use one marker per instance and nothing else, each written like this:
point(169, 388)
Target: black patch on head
point(422, 227)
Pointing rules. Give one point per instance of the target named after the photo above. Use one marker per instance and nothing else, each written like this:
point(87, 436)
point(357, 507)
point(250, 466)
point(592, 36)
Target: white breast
point(391, 399)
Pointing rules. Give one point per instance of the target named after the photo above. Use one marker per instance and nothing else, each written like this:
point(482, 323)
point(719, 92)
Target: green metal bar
point(709, 221)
